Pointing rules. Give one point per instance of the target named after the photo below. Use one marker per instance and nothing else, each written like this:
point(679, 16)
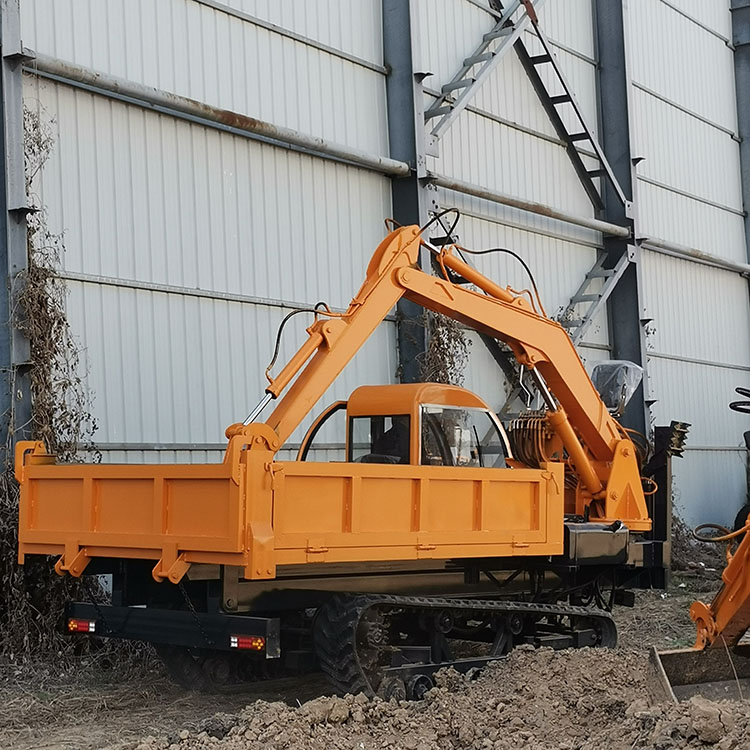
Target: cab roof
point(369, 400)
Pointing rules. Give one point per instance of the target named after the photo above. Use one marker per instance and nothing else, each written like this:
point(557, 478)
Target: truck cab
point(426, 424)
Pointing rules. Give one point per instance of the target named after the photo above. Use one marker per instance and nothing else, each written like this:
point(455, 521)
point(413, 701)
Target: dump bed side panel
point(133, 511)
point(269, 513)
point(353, 512)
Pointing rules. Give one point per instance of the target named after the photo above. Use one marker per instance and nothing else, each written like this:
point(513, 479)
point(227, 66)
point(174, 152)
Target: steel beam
point(693, 254)
point(412, 197)
point(620, 229)
point(15, 394)
point(626, 331)
point(148, 96)
point(741, 41)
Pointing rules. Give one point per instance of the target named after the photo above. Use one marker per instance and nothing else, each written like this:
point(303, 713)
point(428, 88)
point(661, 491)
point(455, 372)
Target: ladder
point(577, 323)
point(580, 143)
point(456, 94)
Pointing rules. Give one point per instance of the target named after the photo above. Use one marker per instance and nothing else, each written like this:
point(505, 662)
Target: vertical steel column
point(412, 197)
point(613, 81)
point(15, 397)
point(741, 41)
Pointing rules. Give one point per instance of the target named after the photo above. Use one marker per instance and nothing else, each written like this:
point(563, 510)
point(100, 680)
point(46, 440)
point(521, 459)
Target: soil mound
point(571, 700)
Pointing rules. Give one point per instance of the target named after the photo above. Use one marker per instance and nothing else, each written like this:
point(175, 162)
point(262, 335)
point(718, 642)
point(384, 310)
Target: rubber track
point(336, 622)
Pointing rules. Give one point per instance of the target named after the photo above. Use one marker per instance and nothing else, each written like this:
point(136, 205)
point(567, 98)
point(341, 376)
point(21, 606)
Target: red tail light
point(81, 626)
point(247, 642)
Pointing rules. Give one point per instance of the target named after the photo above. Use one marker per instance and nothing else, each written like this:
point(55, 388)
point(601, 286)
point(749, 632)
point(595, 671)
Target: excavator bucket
point(712, 673)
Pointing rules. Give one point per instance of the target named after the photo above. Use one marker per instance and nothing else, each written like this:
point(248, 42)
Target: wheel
point(219, 670)
point(392, 688)
point(417, 686)
point(607, 633)
point(204, 671)
point(184, 666)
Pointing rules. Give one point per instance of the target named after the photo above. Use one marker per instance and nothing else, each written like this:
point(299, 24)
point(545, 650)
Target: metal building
point(217, 164)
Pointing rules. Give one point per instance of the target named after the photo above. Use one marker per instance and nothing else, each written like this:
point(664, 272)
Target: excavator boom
point(595, 442)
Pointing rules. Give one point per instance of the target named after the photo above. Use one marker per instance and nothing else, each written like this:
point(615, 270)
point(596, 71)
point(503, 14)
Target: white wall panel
point(698, 311)
point(685, 152)
point(145, 196)
point(512, 162)
point(150, 199)
point(714, 15)
point(509, 94)
point(449, 31)
point(672, 56)
point(197, 51)
point(482, 375)
point(571, 23)
point(709, 486)
point(676, 218)
point(167, 368)
point(354, 26)
point(699, 394)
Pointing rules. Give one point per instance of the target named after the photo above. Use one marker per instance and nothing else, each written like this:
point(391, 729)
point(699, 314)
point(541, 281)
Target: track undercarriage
point(385, 634)
point(392, 645)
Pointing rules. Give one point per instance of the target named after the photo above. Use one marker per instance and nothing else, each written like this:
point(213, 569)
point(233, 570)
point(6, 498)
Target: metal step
point(571, 319)
point(498, 33)
point(471, 61)
point(456, 93)
point(462, 84)
point(600, 273)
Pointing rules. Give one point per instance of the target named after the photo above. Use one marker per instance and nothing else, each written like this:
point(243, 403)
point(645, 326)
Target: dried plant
point(32, 596)
point(447, 352)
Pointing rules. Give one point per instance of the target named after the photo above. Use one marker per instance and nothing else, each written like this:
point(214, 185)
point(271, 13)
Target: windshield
point(453, 436)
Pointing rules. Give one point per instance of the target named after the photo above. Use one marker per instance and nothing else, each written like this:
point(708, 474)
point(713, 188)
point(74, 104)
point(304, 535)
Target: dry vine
point(447, 350)
point(32, 596)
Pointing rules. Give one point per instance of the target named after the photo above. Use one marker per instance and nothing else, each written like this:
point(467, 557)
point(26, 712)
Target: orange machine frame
point(255, 512)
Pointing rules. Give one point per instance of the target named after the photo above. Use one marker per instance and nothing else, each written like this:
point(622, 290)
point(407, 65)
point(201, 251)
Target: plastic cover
point(616, 380)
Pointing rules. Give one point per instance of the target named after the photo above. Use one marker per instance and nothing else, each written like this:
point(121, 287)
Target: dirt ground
point(581, 699)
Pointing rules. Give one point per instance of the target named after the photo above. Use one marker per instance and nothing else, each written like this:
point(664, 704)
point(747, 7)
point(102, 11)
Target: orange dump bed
point(256, 513)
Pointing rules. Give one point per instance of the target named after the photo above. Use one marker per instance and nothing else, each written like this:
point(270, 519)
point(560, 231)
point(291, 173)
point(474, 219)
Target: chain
point(194, 613)
point(99, 611)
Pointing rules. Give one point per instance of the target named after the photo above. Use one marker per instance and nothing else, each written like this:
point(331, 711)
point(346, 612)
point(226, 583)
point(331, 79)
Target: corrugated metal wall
point(186, 244)
point(684, 123)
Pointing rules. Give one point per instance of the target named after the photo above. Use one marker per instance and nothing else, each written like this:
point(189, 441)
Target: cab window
point(379, 439)
point(453, 436)
point(324, 440)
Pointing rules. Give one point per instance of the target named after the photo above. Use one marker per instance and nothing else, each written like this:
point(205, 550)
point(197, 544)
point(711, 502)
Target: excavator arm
point(722, 623)
point(604, 459)
point(718, 664)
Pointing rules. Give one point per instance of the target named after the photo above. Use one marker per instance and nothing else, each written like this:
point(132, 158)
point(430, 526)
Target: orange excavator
point(439, 538)
point(718, 665)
